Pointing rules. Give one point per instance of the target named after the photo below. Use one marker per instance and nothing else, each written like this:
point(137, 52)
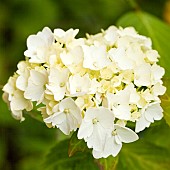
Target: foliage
point(23, 145)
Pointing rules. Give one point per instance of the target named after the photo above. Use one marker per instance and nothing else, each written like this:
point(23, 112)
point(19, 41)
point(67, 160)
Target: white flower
point(114, 139)
point(142, 75)
point(100, 99)
point(151, 112)
point(84, 102)
point(38, 46)
point(127, 76)
point(94, 126)
point(135, 53)
point(157, 73)
point(36, 84)
point(73, 57)
point(67, 116)
point(65, 36)
point(131, 32)
point(15, 98)
point(95, 57)
point(119, 104)
point(119, 56)
point(111, 35)
point(152, 55)
point(109, 71)
point(79, 85)
point(57, 82)
point(24, 73)
point(158, 89)
point(134, 96)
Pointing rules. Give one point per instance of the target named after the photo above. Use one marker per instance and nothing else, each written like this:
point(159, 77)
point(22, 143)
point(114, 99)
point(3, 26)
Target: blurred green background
point(23, 145)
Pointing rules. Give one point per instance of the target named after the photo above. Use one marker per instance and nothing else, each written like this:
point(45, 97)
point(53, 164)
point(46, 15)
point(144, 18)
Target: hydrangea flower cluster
point(94, 85)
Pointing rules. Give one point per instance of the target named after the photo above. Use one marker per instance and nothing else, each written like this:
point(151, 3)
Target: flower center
point(114, 133)
point(78, 90)
point(62, 84)
point(95, 121)
point(66, 111)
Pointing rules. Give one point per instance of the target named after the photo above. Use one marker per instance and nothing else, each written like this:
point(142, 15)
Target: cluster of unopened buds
point(95, 85)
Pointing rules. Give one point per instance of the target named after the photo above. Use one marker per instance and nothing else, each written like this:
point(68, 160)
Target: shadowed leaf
point(76, 145)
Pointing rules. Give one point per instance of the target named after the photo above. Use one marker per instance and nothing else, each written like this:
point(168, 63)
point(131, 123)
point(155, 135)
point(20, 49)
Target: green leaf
point(154, 28)
point(166, 101)
point(76, 145)
point(109, 163)
point(158, 135)
point(58, 159)
point(151, 151)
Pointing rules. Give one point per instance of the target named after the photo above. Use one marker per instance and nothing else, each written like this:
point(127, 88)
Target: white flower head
point(67, 116)
point(88, 83)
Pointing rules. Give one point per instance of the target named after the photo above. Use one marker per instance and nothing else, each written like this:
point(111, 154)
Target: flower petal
point(125, 134)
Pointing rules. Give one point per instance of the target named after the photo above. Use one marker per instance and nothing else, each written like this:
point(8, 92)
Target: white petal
point(33, 92)
point(34, 41)
point(153, 112)
point(105, 117)
point(97, 154)
point(72, 122)
point(96, 140)
point(158, 89)
point(95, 58)
point(125, 134)
point(56, 118)
point(47, 36)
point(111, 147)
point(21, 82)
point(157, 72)
point(18, 102)
point(117, 140)
point(141, 124)
point(90, 114)
point(143, 75)
point(122, 112)
point(69, 103)
point(119, 56)
point(64, 127)
point(85, 130)
point(17, 114)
